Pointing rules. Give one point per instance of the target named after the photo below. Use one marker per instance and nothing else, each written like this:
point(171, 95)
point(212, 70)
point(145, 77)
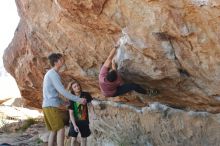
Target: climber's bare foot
point(152, 92)
point(118, 99)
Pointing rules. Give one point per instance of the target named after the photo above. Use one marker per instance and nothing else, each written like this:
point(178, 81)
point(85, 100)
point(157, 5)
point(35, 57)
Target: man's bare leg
point(83, 141)
point(73, 141)
point(51, 138)
point(60, 137)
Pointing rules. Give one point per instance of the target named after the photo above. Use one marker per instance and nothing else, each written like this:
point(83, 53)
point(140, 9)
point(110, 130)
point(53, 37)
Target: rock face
point(171, 45)
point(156, 125)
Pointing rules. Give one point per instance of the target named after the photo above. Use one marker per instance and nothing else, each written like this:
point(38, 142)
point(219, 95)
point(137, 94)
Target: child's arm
point(91, 109)
point(73, 120)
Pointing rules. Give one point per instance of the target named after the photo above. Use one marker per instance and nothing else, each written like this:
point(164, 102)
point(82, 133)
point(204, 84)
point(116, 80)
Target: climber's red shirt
point(108, 89)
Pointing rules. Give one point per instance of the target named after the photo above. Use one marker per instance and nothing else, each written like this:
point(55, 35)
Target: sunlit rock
point(171, 45)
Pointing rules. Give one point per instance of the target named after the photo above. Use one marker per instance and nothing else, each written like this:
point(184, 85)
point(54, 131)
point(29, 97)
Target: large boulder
point(156, 125)
point(171, 45)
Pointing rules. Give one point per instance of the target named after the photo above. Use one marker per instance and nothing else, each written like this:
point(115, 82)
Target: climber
point(110, 82)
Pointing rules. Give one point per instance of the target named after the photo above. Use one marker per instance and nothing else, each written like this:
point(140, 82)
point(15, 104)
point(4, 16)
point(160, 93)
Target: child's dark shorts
point(83, 129)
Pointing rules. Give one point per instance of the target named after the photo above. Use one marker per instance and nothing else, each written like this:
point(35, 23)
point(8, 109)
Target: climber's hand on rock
point(117, 46)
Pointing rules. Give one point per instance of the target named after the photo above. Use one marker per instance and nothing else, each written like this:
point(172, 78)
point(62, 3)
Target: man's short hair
point(54, 57)
point(111, 76)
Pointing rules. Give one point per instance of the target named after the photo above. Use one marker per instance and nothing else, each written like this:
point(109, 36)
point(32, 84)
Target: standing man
point(51, 101)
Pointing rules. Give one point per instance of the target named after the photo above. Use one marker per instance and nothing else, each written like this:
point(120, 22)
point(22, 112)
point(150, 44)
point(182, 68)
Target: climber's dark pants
point(129, 87)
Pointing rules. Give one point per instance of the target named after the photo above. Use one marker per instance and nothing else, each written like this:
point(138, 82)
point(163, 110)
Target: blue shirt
point(52, 86)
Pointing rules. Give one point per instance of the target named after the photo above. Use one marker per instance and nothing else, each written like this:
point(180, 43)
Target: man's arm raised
point(108, 61)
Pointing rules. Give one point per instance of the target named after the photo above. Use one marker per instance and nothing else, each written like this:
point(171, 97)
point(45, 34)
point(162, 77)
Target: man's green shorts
point(53, 118)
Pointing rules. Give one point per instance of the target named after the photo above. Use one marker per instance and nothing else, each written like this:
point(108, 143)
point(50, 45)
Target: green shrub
point(4, 125)
point(39, 141)
point(28, 123)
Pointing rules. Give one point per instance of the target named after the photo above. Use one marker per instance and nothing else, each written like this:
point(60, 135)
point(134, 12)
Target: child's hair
point(70, 86)
point(54, 57)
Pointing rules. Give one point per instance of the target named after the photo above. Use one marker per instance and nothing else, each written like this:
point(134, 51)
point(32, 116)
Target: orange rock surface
point(171, 45)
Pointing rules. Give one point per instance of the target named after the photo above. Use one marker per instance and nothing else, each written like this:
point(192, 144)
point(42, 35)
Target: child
point(79, 114)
